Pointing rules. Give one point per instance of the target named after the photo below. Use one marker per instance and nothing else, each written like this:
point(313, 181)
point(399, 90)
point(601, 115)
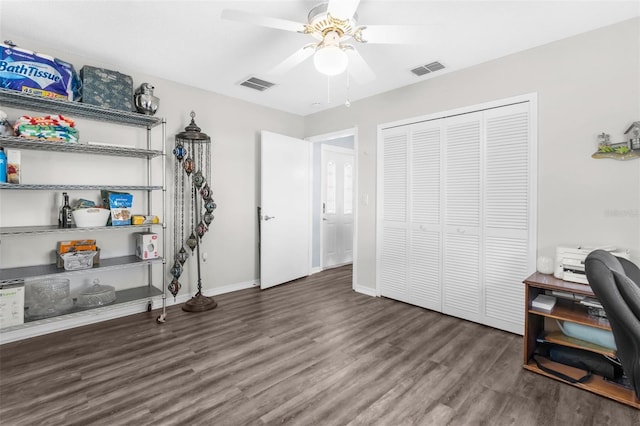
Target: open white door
point(285, 220)
point(337, 206)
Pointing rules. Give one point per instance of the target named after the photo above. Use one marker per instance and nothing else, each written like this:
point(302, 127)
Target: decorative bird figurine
point(6, 129)
point(144, 100)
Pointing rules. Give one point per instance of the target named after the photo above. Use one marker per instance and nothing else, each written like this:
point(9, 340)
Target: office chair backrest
point(630, 270)
point(619, 294)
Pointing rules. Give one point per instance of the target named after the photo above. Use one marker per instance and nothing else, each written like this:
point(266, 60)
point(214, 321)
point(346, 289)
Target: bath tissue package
point(37, 74)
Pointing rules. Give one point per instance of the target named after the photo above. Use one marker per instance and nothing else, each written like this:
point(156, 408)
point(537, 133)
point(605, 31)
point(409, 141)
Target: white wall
point(586, 84)
point(234, 128)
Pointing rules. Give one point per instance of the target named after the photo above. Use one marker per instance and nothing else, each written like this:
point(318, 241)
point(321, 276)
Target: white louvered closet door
point(425, 223)
point(462, 283)
point(392, 268)
point(509, 247)
point(457, 213)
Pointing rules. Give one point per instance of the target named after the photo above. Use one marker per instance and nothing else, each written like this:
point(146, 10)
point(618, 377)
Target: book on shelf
point(567, 295)
point(543, 302)
point(594, 307)
point(592, 302)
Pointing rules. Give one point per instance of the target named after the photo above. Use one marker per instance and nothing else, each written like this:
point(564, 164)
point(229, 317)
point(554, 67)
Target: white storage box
point(147, 245)
point(11, 305)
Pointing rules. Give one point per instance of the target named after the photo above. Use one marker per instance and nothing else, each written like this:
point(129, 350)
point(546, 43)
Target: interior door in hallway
point(285, 219)
point(337, 206)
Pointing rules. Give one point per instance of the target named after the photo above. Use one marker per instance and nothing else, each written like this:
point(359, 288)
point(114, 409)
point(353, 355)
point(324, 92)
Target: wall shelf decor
point(627, 150)
point(631, 155)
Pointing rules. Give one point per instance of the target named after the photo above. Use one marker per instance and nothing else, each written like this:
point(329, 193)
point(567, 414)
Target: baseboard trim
point(231, 288)
point(365, 290)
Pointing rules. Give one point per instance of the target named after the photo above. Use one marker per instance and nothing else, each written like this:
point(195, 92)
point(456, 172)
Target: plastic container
point(86, 218)
point(78, 260)
point(47, 298)
point(589, 334)
point(96, 295)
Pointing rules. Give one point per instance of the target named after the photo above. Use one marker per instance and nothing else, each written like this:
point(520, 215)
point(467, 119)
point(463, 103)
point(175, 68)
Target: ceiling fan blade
point(265, 21)
point(342, 9)
point(294, 60)
point(358, 67)
point(396, 34)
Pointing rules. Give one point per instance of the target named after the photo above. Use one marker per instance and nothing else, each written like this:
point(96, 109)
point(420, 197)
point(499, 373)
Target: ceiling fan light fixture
point(330, 60)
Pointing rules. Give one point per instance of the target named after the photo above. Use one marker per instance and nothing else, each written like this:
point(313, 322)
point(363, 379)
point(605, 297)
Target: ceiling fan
point(332, 24)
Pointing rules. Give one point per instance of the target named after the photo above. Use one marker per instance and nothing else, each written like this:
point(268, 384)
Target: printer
point(569, 262)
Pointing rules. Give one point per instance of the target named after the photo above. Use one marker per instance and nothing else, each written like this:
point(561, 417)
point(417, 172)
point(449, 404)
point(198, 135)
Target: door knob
point(269, 217)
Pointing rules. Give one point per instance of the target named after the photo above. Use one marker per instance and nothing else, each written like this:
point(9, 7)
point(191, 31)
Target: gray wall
point(586, 84)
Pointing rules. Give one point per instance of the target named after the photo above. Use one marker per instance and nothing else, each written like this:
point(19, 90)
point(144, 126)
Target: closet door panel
point(395, 177)
point(462, 282)
point(508, 248)
point(393, 268)
point(507, 163)
point(394, 239)
point(425, 261)
point(424, 279)
point(462, 170)
point(425, 173)
point(504, 269)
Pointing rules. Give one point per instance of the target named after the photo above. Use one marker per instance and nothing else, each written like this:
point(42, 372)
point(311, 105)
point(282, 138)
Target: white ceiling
point(188, 42)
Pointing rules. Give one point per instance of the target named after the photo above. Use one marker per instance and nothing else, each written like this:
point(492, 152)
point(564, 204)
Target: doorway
point(348, 139)
point(336, 197)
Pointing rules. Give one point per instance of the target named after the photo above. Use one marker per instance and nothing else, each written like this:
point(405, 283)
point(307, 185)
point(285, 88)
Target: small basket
point(60, 260)
point(78, 260)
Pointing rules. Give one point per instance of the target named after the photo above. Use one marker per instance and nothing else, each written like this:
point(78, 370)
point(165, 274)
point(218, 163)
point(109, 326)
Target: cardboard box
point(76, 245)
point(106, 88)
point(138, 219)
point(147, 245)
point(11, 305)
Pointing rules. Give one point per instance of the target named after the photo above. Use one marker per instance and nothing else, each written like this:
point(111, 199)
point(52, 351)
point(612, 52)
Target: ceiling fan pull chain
point(328, 89)
point(347, 102)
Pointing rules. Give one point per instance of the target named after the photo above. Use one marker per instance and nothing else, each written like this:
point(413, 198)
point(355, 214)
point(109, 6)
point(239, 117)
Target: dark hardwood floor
point(305, 353)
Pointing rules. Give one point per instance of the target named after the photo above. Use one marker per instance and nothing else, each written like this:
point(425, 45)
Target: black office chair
point(616, 283)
